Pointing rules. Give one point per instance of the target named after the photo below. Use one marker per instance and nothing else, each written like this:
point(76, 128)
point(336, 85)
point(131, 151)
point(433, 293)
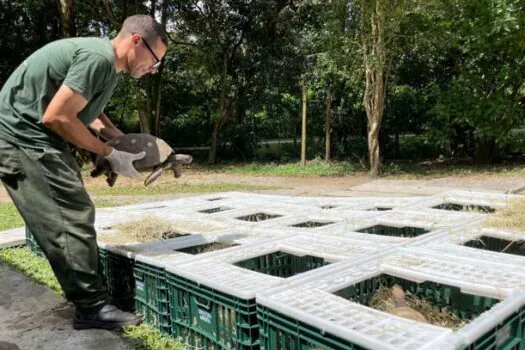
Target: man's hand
point(122, 162)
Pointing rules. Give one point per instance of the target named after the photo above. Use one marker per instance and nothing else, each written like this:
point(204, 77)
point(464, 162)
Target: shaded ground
point(33, 316)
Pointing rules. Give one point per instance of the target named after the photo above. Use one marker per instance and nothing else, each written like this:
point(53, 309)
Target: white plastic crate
point(309, 299)
point(492, 200)
point(433, 222)
point(160, 252)
point(12, 238)
point(217, 269)
point(388, 203)
point(108, 229)
point(232, 218)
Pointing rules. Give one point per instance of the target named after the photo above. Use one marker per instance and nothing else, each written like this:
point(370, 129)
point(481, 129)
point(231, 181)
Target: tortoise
point(401, 308)
point(159, 157)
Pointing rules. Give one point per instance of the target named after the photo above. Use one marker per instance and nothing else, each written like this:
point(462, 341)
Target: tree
point(480, 104)
point(379, 24)
point(67, 14)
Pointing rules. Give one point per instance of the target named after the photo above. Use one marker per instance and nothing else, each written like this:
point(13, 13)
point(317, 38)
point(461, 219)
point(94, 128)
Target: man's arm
point(103, 126)
point(61, 117)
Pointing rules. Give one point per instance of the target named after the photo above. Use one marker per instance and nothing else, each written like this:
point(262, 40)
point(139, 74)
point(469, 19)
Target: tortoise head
point(174, 162)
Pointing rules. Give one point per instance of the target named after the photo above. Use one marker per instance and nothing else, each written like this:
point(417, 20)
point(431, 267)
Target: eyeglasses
point(156, 66)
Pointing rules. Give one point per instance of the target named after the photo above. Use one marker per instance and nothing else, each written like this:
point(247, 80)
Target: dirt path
point(350, 185)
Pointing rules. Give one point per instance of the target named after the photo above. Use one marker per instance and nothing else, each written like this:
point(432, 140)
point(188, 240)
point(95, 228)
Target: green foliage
point(455, 73)
point(480, 104)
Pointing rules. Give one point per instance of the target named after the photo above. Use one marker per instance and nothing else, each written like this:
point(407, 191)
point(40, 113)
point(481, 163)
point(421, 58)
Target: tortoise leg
point(97, 172)
point(177, 169)
point(111, 178)
point(155, 174)
point(178, 161)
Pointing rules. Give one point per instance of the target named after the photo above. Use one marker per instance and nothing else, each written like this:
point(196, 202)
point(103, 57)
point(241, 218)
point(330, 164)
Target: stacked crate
point(330, 309)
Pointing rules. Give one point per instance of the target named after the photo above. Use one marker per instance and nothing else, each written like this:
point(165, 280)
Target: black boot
point(107, 317)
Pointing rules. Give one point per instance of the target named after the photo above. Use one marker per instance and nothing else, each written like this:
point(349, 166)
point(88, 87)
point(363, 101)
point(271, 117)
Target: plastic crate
point(152, 296)
point(281, 264)
point(33, 245)
point(329, 308)
point(384, 230)
point(207, 318)
point(213, 299)
point(495, 244)
point(280, 332)
point(118, 271)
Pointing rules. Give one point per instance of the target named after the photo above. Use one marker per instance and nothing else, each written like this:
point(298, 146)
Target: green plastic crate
point(118, 271)
point(280, 332)
point(281, 264)
point(383, 230)
point(498, 245)
point(152, 296)
point(465, 207)
point(209, 319)
point(33, 245)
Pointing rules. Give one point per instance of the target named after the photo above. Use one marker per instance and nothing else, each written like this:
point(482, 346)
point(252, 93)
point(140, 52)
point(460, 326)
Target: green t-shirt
point(86, 65)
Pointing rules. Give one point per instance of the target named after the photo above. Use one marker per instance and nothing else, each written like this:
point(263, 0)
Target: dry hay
point(510, 217)
point(148, 229)
point(382, 301)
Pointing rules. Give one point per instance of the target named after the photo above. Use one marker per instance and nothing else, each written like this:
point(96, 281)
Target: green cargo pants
point(47, 188)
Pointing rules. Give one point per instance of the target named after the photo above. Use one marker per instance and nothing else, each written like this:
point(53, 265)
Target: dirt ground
point(350, 185)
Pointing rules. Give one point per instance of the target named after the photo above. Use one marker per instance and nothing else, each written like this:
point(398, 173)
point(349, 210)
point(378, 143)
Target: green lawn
point(9, 217)
point(404, 170)
point(313, 168)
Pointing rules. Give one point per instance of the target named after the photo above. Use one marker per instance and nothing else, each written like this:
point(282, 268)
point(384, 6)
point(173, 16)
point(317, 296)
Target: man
point(46, 104)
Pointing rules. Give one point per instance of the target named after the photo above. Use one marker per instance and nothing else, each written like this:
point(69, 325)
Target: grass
point(312, 168)
point(38, 269)
point(413, 170)
point(148, 338)
point(510, 217)
point(169, 188)
point(9, 217)
point(398, 170)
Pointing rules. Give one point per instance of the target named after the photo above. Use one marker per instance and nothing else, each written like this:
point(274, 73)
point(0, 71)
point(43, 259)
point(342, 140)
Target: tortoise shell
point(157, 150)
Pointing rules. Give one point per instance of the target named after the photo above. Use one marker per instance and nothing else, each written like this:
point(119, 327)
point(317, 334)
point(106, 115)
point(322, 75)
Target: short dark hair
point(146, 26)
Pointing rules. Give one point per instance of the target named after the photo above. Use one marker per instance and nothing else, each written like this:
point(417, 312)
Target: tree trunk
point(223, 113)
point(144, 121)
point(67, 15)
point(487, 152)
point(328, 124)
point(156, 125)
point(374, 97)
point(303, 123)
point(158, 82)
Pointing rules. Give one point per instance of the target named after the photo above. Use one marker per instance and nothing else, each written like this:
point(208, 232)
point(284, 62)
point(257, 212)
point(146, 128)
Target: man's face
point(144, 57)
